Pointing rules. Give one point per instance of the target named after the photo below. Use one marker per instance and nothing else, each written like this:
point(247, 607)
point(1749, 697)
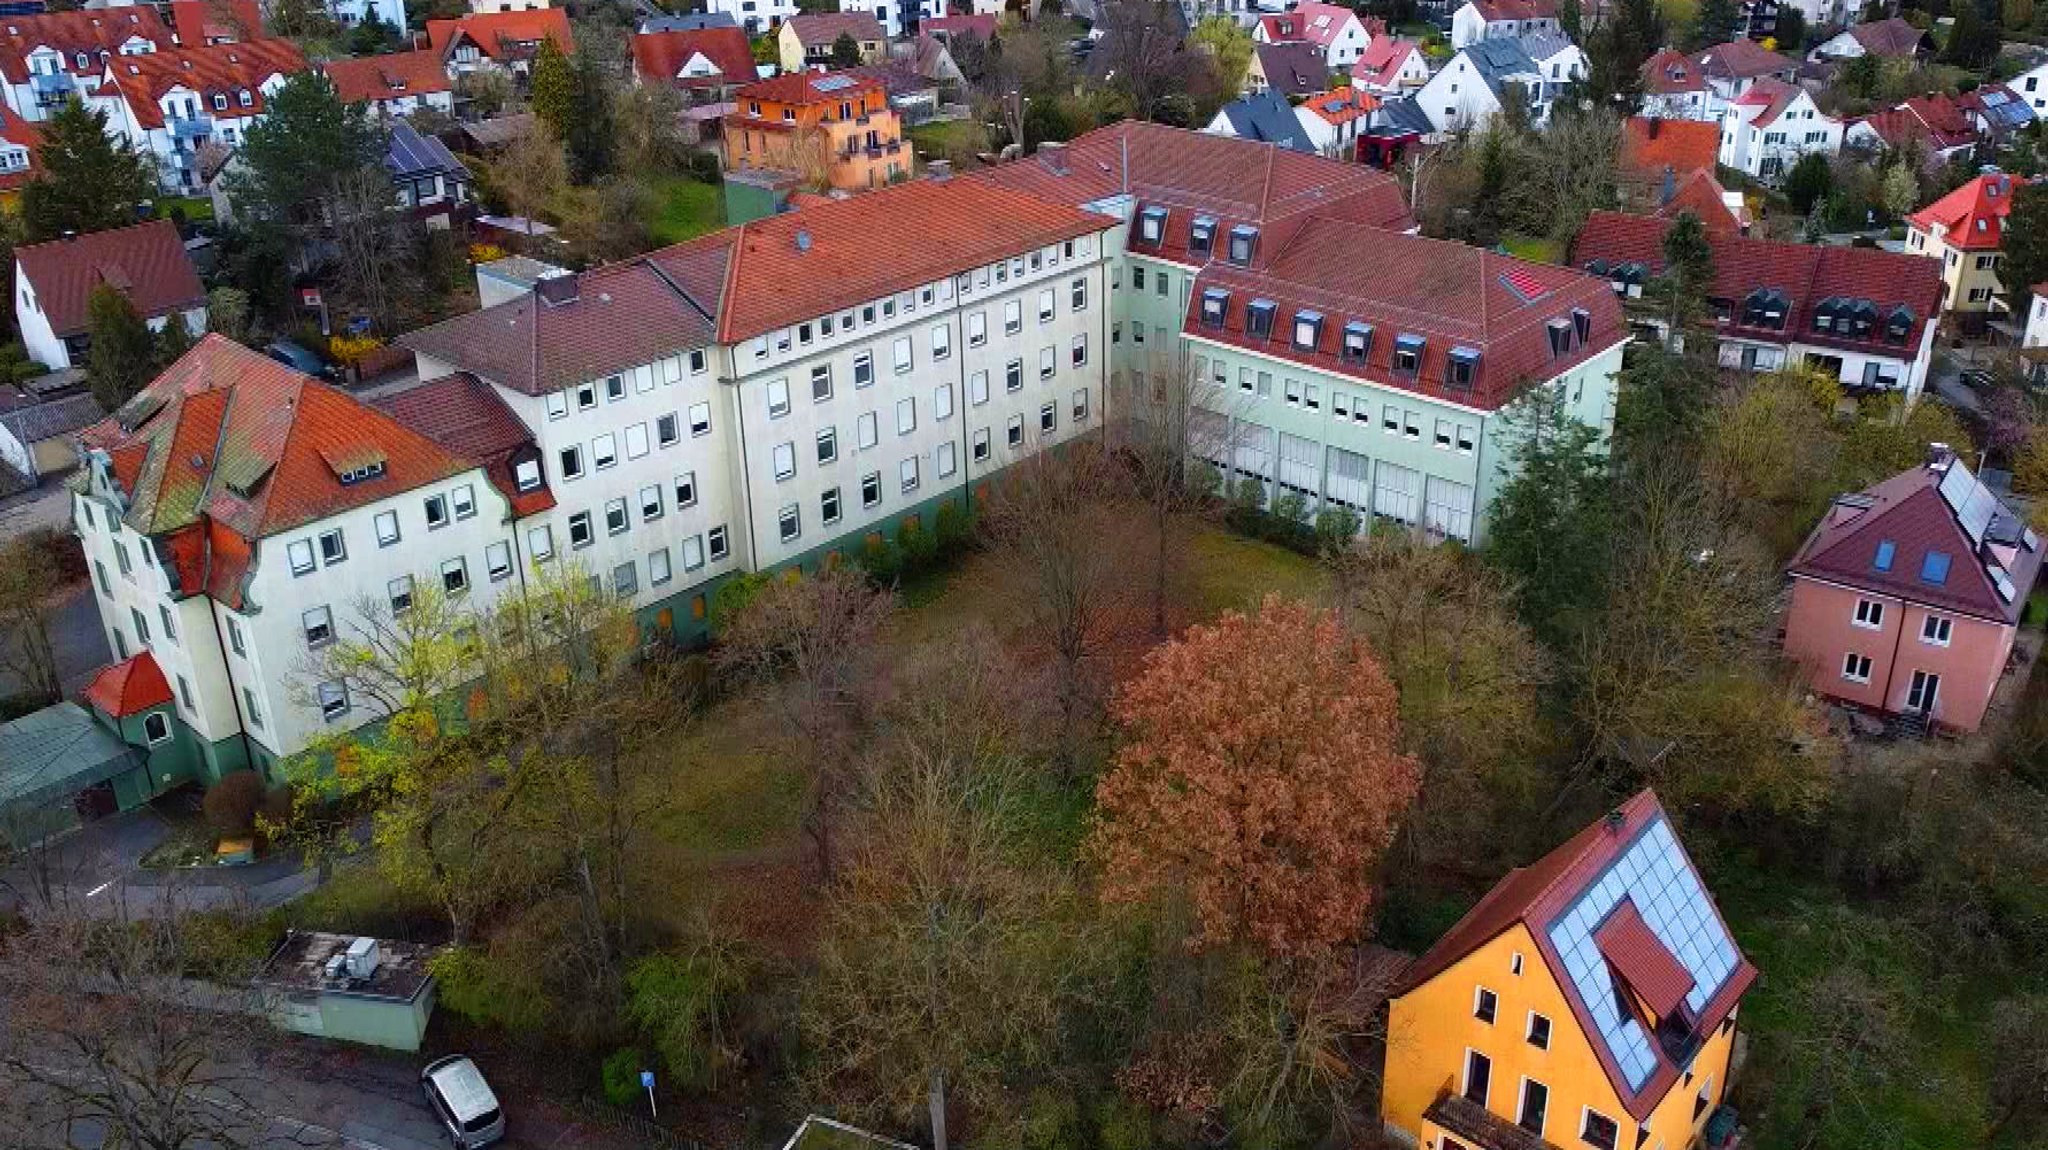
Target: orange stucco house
point(1587, 1001)
point(1907, 597)
point(833, 128)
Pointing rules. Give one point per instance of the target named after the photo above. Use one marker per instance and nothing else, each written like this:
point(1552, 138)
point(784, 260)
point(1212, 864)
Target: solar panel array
point(831, 83)
point(1654, 873)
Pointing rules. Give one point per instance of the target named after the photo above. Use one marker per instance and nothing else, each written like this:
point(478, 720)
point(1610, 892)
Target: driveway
point(48, 505)
point(98, 867)
point(1944, 379)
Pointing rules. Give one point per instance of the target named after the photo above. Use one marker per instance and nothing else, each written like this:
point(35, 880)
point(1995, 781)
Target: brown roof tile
point(211, 70)
point(387, 77)
point(468, 417)
point(129, 687)
point(90, 31)
point(823, 29)
point(145, 262)
point(660, 56)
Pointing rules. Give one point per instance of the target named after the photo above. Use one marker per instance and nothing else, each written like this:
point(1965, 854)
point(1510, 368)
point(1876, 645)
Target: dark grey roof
point(1499, 61)
point(1403, 115)
point(1294, 68)
point(412, 155)
point(692, 22)
point(54, 418)
point(1268, 119)
point(1543, 45)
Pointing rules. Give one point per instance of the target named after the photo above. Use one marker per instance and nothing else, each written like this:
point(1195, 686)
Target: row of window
point(585, 395)
point(572, 463)
point(330, 547)
point(1934, 629)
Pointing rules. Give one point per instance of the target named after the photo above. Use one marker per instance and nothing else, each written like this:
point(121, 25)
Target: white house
point(1889, 39)
point(173, 103)
point(1333, 120)
point(897, 16)
point(1560, 61)
point(1390, 67)
point(390, 13)
point(47, 58)
point(54, 282)
point(1334, 29)
point(1477, 20)
point(756, 16)
point(2032, 86)
point(1767, 128)
point(394, 85)
point(1465, 93)
point(2037, 319)
point(1675, 88)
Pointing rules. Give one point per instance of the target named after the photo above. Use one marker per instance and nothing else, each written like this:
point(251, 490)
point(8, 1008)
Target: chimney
point(1615, 820)
point(1939, 456)
point(1656, 125)
point(1670, 190)
point(1053, 155)
point(939, 171)
point(556, 290)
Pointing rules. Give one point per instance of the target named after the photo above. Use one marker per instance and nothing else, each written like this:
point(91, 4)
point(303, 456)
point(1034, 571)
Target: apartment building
point(834, 129)
point(171, 103)
point(1965, 230)
point(49, 57)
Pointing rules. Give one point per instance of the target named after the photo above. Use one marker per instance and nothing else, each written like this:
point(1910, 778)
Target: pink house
point(1906, 598)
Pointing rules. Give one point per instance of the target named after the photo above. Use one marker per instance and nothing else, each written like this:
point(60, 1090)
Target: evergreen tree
point(1791, 30)
point(1489, 200)
point(173, 340)
point(1973, 40)
point(2025, 243)
point(846, 51)
point(297, 155)
point(1548, 528)
point(123, 352)
point(1617, 52)
point(1714, 24)
point(1688, 272)
point(1809, 182)
point(552, 89)
point(591, 138)
point(87, 183)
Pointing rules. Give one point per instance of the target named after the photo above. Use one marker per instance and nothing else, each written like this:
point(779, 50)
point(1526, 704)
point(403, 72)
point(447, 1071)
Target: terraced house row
point(767, 395)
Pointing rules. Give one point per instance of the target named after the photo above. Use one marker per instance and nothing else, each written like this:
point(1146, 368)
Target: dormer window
point(1308, 330)
point(1596, 268)
point(220, 102)
point(1407, 354)
point(1863, 317)
point(1824, 315)
point(1899, 325)
point(246, 99)
point(1258, 318)
point(1244, 240)
point(1152, 225)
point(1357, 342)
point(1462, 368)
point(85, 59)
point(1582, 323)
point(1215, 302)
point(1764, 307)
point(1560, 332)
point(1201, 236)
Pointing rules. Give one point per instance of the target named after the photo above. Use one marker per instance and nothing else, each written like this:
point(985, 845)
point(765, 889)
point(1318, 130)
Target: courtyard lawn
point(687, 208)
point(955, 140)
point(1538, 249)
point(196, 209)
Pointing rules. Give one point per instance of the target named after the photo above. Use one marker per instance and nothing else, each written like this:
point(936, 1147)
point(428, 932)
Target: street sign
point(309, 297)
point(647, 1083)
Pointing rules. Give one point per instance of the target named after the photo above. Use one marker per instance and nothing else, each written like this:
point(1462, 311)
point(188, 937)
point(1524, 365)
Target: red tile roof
point(234, 442)
point(1909, 512)
point(91, 31)
point(209, 70)
point(1492, 10)
point(1319, 24)
point(802, 88)
point(468, 417)
point(981, 27)
point(1938, 120)
point(661, 56)
point(1892, 38)
point(1671, 73)
point(1641, 958)
point(1973, 215)
point(129, 687)
point(364, 79)
point(624, 315)
point(1806, 273)
point(16, 130)
point(1772, 95)
point(771, 281)
point(145, 262)
point(1452, 295)
point(210, 21)
point(1703, 196)
point(823, 29)
point(1742, 60)
point(1537, 895)
point(1342, 107)
point(1650, 144)
point(1381, 63)
point(502, 36)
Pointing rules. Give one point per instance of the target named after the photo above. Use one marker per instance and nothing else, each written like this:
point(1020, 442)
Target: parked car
point(1977, 379)
point(462, 1100)
point(300, 358)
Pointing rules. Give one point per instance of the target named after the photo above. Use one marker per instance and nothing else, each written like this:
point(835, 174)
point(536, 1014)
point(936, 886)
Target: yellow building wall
point(1430, 1028)
point(1959, 271)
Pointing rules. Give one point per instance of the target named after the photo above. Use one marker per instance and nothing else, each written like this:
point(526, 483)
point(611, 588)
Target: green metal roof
point(55, 753)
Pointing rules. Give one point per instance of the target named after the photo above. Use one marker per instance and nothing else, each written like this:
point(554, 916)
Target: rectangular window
point(1077, 294)
point(1478, 1076)
point(1045, 305)
point(498, 561)
point(1013, 317)
point(170, 624)
point(1535, 1105)
point(1856, 668)
point(255, 712)
point(558, 405)
point(571, 465)
point(1016, 431)
point(907, 472)
point(900, 355)
point(828, 506)
point(1390, 419)
point(871, 489)
point(1598, 1130)
point(540, 543)
point(235, 638)
point(1484, 1004)
point(1869, 614)
point(463, 500)
point(455, 576)
point(778, 398)
point(616, 521)
point(1013, 375)
point(977, 388)
point(821, 383)
point(863, 370)
point(526, 474)
point(580, 533)
point(604, 452)
point(626, 579)
point(828, 445)
point(700, 419)
point(636, 441)
point(948, 460)
point(942, 342)
point(399, 591)
point(1935, 630)
point(789, 522)
point(1539, 1031)
point(1080, 350)
point(867, 430)
point(906, 416)
point(614, 389)
point(784, 460)
point(715, 538)
point(658, 570)
point(333, 700)
point(586, 397)
point(1048, 419)
point(650, 503)
point(1048, 362)
point(299, 552)
point(667, 430)
point(1443, 434)
point(142, 624)
point(1081, 406)
point(686, 490)
point(977, 329)
point(942, 402)
point(981, 448)
point(693, 553)
point(333, 548)
point(1411, 425)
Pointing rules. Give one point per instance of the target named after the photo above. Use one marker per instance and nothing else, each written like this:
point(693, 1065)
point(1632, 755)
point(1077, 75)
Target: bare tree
point(392, 654)
point(27, 578)
point(811, 645)
point(373, 243)
point(532, 173)
point(1176, 419)
point(1144, 56)
point(1056, 518)
point(101, 1030)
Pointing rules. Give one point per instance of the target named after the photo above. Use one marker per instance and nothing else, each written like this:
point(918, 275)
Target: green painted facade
point(345, 1017)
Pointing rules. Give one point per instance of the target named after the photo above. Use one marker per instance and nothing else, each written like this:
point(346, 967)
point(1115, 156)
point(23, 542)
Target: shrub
point(881, 559)
point(920, 548)
point(230, 804)
point(1052, 1121)
point(622, 1076)
point(1335, 528)
point(954, 528)
point(733, 596)
point(1123, 1125)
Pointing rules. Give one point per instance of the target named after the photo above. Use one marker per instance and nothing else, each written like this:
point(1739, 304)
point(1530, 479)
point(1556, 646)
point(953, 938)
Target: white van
point(459, 1096)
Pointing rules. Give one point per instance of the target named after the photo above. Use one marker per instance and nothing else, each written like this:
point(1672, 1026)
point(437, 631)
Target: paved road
point(1944, 380)
point(97, 868)
point(46, 506)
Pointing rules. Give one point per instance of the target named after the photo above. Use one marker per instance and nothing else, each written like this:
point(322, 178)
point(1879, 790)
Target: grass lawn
point(688, 209)
point(1537, 248)
point(955, 140)
point(197, 209)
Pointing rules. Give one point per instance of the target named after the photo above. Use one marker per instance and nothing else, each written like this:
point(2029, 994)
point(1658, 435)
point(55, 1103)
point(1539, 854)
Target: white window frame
point(1869, 615)
point(1937, 630)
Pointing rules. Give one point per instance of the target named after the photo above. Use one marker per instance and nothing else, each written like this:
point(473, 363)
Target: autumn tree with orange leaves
point(1260, 778)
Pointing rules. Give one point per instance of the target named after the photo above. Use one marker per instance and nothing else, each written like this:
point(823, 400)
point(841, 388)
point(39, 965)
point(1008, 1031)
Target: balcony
point(189, 127)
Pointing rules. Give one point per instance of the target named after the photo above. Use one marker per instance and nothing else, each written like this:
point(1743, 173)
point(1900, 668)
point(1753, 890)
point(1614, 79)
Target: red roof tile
point(502, 35)
point(802, 88)
point(1703, 196)
point(363, 79)
point(208, 70)
point(823, 29)
point(1973, 215)
point(1892, 38)
point(146, 262)
point(91, 31)
point(1671, 72)
point(1319, 24)
point(1909, 512)
point(1492, 10)
point(129, 687)
point(1381, 63)
point(1642, 960)
point(661, 56)
point(1650, 144)
point(1939, 120)
point(467, 416)
point(1538, 895)
point(214, 21)
point(1452, 295)
point(1770, 94)
point(1806, 273)
point(1743, 60)
point(1342, 107)
point(16, 130)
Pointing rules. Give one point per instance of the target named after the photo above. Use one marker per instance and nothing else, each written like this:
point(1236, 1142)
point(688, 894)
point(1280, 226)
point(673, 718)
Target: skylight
point(1934, 568)
point(1885, 551)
